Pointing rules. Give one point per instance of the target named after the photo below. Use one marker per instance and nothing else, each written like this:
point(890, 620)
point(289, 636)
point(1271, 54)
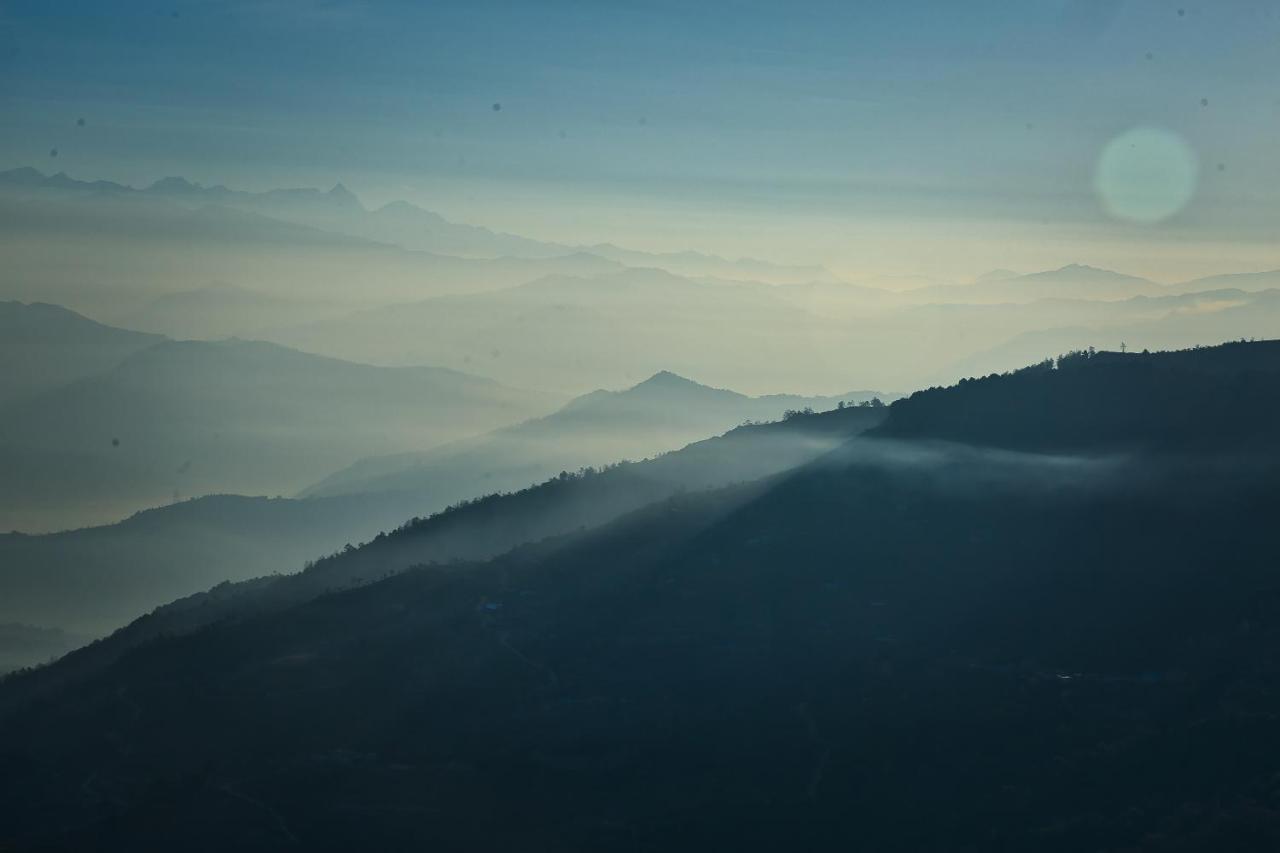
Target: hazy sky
point(940, 137)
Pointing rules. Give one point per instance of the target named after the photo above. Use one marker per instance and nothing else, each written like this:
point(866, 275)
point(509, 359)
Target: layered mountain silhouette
point(1012, 633)
point(1164, 322)
point(1074, 281)
point(45, 346)
point(97, 579)
point(662, 413)
point(1249, 281)
point(339, 211)
point(110, 253)
point(593, 330)
point(221, 310)
point(314, 269)
point(192, 418)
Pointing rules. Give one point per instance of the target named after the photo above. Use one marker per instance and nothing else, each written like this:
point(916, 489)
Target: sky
point(917, 137)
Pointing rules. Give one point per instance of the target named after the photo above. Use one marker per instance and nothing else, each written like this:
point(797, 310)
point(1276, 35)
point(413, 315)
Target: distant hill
point(1018, 646)
point(223, 310)
point(1051, 327)
point(44, 346)
point(190, 418)
point(599, 330)
point(695, 264)
point(662, 413)
point(996, 275)
point(1074, 281)
point(1249, 281)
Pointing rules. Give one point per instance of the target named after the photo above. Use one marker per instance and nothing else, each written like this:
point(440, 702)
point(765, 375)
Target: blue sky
point(899, 137)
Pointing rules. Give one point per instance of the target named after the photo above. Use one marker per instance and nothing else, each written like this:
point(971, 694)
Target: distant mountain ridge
point(662, 413)
point(403, 224)
point(1247, 281)
point(249, 417)
point(1074, 281)
point(603, 330)
point(43, 346)
point(222, 309)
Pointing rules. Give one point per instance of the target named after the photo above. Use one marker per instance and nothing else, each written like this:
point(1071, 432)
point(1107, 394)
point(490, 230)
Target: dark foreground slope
point(908, 646)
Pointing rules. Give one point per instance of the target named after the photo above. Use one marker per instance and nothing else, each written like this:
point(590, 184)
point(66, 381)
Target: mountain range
point(1073, 281)
point(189, 418)
point(400, 286)
point(600, 330)
point(339, 211)
point(662, 413)
point(45, 346)
point(109, 254)
point(122, 569)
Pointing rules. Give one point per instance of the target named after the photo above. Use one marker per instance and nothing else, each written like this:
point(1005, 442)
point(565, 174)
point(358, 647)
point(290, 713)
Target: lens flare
point(1146, 175)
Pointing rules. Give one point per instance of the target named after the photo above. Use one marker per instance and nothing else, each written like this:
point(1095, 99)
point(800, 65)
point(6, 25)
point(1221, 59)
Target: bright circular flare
point(1146, 175)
